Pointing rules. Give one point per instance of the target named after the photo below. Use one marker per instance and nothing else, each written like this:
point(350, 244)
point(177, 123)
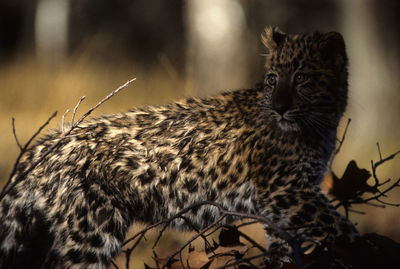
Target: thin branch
point(39, 130)
point(191, 225)
point(181, 261)
point(75, 108)
point(294, 228)
point(128, 257)
point(6, 187)
point(104, 100)
point(375, 205)
point(356, 211)
point(374, 167)
point(114, 264)
point(180, 249)
point(387, 203)
point(379, 151)
point(63, 121)
point(128, 251)
point(15, 135)
point(160, 234)
point(216, 228)
point(246, 223)
point(245, 260)
point(381, 161)
point(248, 238)
point(376, 197)
point(339, 146)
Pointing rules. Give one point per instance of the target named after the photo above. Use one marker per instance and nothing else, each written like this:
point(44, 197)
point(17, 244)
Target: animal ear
point(333, 50)
point(273, 38)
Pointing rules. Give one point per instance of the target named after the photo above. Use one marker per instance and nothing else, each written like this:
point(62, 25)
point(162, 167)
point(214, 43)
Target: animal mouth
point(286, 123)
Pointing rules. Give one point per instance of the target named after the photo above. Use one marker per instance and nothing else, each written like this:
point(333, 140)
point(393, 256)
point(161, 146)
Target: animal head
point(305, 80)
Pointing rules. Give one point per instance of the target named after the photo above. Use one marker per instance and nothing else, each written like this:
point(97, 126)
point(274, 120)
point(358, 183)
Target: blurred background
point(54, 51)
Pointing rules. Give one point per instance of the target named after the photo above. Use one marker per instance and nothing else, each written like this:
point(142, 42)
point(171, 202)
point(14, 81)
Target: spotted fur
point(262, 151)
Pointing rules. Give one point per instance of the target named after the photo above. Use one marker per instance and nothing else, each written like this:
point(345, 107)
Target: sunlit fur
point(145, 165)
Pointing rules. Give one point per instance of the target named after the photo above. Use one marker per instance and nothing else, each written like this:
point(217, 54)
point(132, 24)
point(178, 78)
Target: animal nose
point(281, 108)
point(281, 100)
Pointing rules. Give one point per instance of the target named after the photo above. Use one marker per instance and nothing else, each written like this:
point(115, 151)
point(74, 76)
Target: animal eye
point(299, 78)
point(272, 79)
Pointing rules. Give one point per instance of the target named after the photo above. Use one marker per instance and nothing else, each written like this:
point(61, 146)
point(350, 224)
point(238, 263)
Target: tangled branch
point(210, 229)
point(377, 182)
point(349, 189)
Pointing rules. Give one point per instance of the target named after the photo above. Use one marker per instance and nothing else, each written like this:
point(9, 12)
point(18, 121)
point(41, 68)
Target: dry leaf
point(198, 259)
point(225, 255)
point(352, 184)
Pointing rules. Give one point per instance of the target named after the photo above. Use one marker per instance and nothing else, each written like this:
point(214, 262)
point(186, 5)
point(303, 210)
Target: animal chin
point(287, 125)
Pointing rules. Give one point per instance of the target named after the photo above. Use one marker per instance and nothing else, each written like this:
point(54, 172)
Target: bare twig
point(6, 187)
point(15, 135)
point(246, 223)
point(181, 248)
point(254, 243)
point(104, 100)
point(75, 108)
point(160, 235)
point(340, 143)
point(142, 232)
point(378, 196)
point(39, 130)
point(114, 264)
point(191, 225)
point(380, 162)
point(379, 151)
point(63, 120)
point(375, 205)
point(243, 261)
point(356, 211)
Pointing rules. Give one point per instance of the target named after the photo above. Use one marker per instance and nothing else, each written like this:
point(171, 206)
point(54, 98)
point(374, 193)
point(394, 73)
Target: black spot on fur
point(81, 212)
point(84, 225)
point(102, 216)
point(206, 216)
point(191, 185)
point(91, 257)
point(222, 185)
point(74, 255)
point(147, 177)
point(96, 241)
point(76, 237)
point(309, 208)
point(132, 163)
point(70, 222)
point(327, 218)
point(296, 220)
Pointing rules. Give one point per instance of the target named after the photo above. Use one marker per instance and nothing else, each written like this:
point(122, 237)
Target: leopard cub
point(262, 151)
